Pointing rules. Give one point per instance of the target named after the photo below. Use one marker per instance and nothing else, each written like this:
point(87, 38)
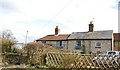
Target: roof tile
point(107, 34)
point(54, 37)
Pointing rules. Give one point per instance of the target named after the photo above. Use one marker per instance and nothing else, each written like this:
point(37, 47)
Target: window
point(43, 41)
point(78, 44)
point(98, 45)
point(59, 44)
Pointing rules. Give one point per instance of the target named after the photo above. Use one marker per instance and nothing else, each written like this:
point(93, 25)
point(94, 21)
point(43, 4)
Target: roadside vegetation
point(7, 40)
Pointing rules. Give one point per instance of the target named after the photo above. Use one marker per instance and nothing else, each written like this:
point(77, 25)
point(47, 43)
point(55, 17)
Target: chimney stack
point(91, 26)
point(57, 30)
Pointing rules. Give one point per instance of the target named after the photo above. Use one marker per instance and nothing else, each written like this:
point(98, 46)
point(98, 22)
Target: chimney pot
point(91, 26)
point(57, 30)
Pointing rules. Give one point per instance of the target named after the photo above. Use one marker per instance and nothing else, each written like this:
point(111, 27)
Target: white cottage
point(91, 41)
point(88, 42)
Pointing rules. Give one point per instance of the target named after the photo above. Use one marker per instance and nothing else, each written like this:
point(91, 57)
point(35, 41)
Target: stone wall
point(105, 46)
point(15, 59)
point(90, 45)
point(71, 44)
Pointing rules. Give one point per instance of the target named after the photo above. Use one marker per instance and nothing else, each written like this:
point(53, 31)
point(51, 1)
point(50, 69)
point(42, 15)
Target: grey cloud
point(7, 7)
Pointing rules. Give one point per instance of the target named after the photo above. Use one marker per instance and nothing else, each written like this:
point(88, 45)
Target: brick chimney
point(57, 30)
point(91, 26)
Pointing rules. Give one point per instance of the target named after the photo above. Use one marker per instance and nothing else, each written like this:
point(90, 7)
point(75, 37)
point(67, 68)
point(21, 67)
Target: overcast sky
point(40, 17)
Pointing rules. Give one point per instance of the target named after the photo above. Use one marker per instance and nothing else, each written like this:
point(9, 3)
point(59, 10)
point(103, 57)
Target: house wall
point(65, 44)
point(71, 44)
point(54, 43)
point(105, 46)
point(90, 45)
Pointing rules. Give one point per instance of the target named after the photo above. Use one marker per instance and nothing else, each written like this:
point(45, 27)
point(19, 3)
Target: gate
point(82, 61)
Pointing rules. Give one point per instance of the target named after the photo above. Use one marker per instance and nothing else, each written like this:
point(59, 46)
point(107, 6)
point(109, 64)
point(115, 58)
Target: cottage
point(87, 42)
point(57, 40)
point(91, 41)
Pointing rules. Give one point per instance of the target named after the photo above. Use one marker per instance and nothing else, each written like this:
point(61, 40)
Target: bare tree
point(7, 40)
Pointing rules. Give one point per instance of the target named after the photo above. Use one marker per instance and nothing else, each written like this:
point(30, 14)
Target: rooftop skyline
point(40, 17)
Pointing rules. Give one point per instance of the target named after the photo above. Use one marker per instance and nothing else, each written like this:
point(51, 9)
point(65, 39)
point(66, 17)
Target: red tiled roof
point(116, 36)
point(54, 37)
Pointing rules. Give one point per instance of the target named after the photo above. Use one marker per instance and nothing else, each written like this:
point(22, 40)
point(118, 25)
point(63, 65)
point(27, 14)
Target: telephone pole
point(26, 37)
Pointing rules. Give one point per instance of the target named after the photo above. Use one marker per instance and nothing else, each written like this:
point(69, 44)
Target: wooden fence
point(77, 60)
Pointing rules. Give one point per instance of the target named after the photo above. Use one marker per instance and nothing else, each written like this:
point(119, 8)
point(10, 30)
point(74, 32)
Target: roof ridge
point(93, 31)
